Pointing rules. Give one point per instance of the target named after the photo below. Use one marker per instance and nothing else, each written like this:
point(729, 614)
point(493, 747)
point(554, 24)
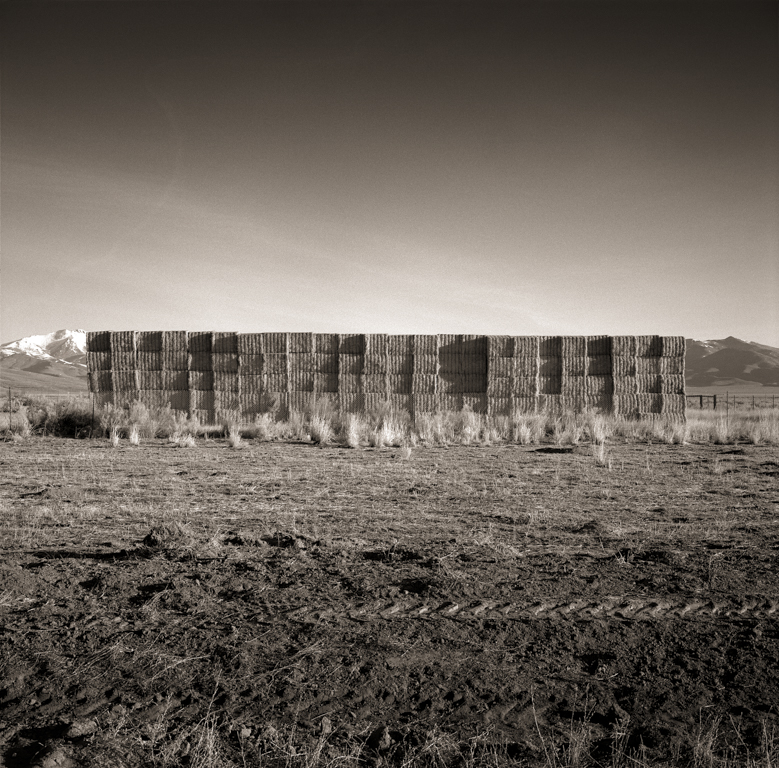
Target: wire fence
point(728, 400)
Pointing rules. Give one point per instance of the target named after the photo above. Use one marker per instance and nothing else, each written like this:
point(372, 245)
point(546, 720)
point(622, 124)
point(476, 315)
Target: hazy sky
point(405, 167)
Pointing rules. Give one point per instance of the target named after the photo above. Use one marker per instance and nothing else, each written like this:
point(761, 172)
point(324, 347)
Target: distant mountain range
point(57, 361)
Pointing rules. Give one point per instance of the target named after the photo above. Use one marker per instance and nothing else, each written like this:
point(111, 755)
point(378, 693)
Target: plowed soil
point(293, 604)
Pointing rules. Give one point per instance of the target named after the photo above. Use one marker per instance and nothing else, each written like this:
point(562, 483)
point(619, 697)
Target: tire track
point(641, 608)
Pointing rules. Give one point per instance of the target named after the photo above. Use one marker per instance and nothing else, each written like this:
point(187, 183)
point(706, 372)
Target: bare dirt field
point(289, 604)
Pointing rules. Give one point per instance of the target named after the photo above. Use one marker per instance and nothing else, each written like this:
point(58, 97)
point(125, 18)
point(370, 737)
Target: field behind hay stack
point(563, 602)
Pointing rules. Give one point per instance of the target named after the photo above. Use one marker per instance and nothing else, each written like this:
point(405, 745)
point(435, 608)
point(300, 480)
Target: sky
point(514, 168)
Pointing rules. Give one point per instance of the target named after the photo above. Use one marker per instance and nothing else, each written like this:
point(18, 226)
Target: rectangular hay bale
point(425, 364)
point(525, 365)
point(672, 366)
point(301, 381)
point(199, 342)
point(325, 382)
point(324, 363)
point(400, 384)
point(376, 344)
point(623, 346)
point(175, 381)
point(201, 400)
point(424, 403)
point(148, 361)
point(224, 343)
point(375, 364)
point(98, 361)
point(124, 381)
point(525, 386)
point(225, 381)
point(550, 367)
point(599, 385)
point(450, 402)
point(98, 341)
point(674, 346)
point(249, 344)
point(251, 384)
point(301, 343)
point(275, 364)
point(499, 386)
point(648, 383)
point(351, 402)
point(499, 406)
point(599, 365)
point(274, 343)
point(401, 403)
point(351, 344)
point(325, 343)
point(400, 345)
point(149, 341)
point(501, 367)
point(649, 346)
point(475, 401)
point(201, 381)
point(123, 341)
point(150, 380)
point(349, 383)
point(526, 346)
point(350, 364)
point(424, 384)
point(500, 346)
point(400, 364)
point(624, 385)
point(550, 385)
point(623, 366)
point(200, 361)
point(277, 382)
point(251, 365)
point(672, 384)
point(425, 345)
point(550, 346)
point(225, 362)
point(574, 365)
point(573, 346)
point(598, 346)
point(123, 361)
point(648, 366)
point(100, 381)
point(374, 383)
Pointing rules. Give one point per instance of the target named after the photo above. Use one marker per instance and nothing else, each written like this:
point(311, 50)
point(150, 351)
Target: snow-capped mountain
point(54, 362)
point(62, 346)
point(731, 362)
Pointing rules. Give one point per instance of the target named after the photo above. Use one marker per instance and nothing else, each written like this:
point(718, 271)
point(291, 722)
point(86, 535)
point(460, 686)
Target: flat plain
point(292, 604)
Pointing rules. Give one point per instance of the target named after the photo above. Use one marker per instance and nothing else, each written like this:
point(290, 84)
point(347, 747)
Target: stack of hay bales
point(251, 384)
point(375, 383)
point(425, 383)
point(300, 361)
point(550, 374)
point(325, 366)
point(212, 374)
point(400, 372)
point(202, 403)
point(599, 385)
point(99, 367)
point(351, 362)
point(175, 369)
point(275, 361)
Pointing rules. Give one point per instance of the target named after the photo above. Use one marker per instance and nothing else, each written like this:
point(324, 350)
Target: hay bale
point(325, 343)
point(424, 384)
point(251, 384)
point(550, 385)
point(274, 343)
point(325, 382)
point(148, 361)
point(648, 366)
point(449, 363)
point(474, 382)
point(550, 346)
point(474, 364)
point(674, 346)
point(574, 365)
point(425, 346)
point(124, 381)
point(98, 361)
point(524, 405)
point(301, 343)
point(550, 367)
point(649, 346)
point(351, 344)
point(499, 386)
point(476, 401)
point(249, 404)
point(152, 398)
point(527, 346)
point(226, 381)
point(573, 388)
point(499, 346)
point(351, 402)
point(649, 403)
point(201, 400)
point(648, 383)
point(324, 363)
point(375, 364)
point(300, 401)
point(625, 404)
point(599, 365)
point(400, 364)
point(150, 380)
point(201, 381)
point(300, 363)
point(275, 364)
point(623, 346)
point(598, 346)
point(103, 398)
point(349, 383)
point(100, 381)
point(122, 341)
point(277, 382)
point(475, 346)
point(553, 405)
point(352, 365)
point(175, 381)
point(376, 344)
point(449, 342)
point(623, 366)
point(672, 366)
point(450, 403)
point(98, 341)
point(425, 364)
point(401, 403)
point(178, 400)
point(175, 356)
point(525, 386)
point(251, 365)
point(374, 384)
point(301, 381)
point(400, 345)
point(249, 344)
point(200, 361)
point(450, 384)
point(624, 385)
point(149, 341)
point(573, 346)
point(123, 361)
point(400, 384)
point(200, 342)
point(526, 366)
point(596, 386)
point(499, 406)
point(599, 403)
point(672, 384)
point(424, 403)
point(501, 367)
point(673, 404)
point(376, 401)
